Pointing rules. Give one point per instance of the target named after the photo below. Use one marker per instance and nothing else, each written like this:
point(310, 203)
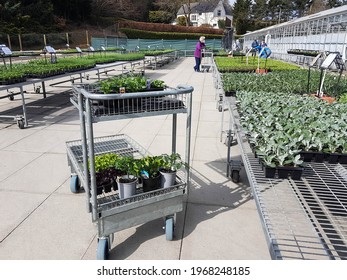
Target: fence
point(33, 41)
point(27, 42)
point(146, 44)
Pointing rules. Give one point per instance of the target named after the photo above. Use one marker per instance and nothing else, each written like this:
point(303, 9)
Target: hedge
point(161, 27)
point(136, 33)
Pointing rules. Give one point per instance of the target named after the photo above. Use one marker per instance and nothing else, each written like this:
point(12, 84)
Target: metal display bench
point(111, 213)
point(81, 76)
point(155, 61)
point(301, 219)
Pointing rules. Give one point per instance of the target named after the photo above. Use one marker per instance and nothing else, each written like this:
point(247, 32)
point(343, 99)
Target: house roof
point(203, 7)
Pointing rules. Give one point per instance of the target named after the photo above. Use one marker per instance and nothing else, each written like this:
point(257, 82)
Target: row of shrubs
point(161, 27)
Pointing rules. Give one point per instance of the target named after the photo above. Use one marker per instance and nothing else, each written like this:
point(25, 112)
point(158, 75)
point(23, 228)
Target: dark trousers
point(197, 64)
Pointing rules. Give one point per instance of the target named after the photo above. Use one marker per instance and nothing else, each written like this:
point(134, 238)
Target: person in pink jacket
point(197, 53)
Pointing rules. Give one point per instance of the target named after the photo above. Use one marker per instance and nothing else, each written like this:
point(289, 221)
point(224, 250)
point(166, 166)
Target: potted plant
point(150, 175)
point(170, 165)
point(127, 183)
point(343, 155)
point(106, 172)
point(269, 165)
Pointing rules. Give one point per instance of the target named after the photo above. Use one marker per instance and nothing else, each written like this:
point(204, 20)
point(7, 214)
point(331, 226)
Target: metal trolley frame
point(207, 61)
point(302, 219)
point(111, 213)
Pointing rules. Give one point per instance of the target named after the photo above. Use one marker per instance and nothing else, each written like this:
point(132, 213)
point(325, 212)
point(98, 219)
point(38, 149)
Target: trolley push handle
point(180, 89)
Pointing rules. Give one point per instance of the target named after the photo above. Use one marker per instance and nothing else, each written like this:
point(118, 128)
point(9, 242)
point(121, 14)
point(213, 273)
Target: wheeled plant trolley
point(109, 211)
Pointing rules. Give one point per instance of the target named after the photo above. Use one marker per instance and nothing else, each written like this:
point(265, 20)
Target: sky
point(231, 2)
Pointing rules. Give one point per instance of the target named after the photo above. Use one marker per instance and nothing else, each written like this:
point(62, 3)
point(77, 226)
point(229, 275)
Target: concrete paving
point(41, 219)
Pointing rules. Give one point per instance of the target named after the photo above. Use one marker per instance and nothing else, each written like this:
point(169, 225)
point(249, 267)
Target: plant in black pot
point(106, 172)
point(150, 175)
point(170, 165)
point(127, 183)
point(269, 165)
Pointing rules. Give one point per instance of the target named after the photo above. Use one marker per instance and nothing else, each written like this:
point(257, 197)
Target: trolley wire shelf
point(131, 105)
point(302, 219)
point(122, 145)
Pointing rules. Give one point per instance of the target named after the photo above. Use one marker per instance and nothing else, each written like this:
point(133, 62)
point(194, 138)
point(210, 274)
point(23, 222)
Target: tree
point(8, 10)
point(300, 7)
point(316, 6)
point(128, 9)
point(76, 10)
point(281, 10)
point(181, 21)
point(334, 3)
point(159, 16)
point(242, 15)
point(259, 10)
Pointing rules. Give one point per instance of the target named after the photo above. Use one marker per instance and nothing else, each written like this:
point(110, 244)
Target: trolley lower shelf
point(115, 214)
point(302, 219)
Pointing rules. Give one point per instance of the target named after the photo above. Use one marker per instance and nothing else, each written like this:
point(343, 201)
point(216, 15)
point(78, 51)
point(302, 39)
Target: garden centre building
point(323, 31)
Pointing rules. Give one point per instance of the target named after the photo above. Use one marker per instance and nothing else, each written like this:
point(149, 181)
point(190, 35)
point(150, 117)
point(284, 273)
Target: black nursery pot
point(343, 159)
point(307, 156)
point(296, 173)
point(151, 184)
point(333, 158)
point(269, 172)
point(230, 93)
point(319, 157)
point(283, 172)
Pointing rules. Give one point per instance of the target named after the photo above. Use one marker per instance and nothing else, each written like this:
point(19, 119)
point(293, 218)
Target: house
point(207, 13)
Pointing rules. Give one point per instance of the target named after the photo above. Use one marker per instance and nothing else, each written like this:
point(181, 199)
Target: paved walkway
point(41, 218)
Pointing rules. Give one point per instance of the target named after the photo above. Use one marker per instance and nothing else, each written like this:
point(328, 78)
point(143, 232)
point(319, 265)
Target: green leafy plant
point(343, 98)
point(130, 166)
point(131, 83)
point(149, 166)
point(172, 162)
point(105, 161)
point(281, 125)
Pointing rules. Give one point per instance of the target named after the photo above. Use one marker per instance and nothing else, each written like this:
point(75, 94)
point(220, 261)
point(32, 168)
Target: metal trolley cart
point(206, 61)
point(302, 219)
point(111, 213)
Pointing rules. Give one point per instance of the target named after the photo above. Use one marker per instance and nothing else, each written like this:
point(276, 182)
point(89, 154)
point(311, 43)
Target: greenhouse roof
point(322, 14)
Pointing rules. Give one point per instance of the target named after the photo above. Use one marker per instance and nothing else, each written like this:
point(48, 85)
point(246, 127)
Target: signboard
point(314, 61)
point(103, 49)
point(328, 61)
point(78, 49)
point(5, 51)
point(49, 49)
point(91, 49)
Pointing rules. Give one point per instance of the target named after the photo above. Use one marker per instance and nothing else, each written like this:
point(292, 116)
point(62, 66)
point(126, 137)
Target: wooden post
point(9, 41)
point(67, 39)
point(44, 40)
point(87, 36)
point(20, 42)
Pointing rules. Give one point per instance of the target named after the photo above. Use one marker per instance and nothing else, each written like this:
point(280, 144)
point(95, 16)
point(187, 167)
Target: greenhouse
point(324, 31)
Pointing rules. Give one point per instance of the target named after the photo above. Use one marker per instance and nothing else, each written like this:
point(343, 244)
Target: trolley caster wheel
point(228, 140)
point(102, 250)
point(11, 97)
point(169, 228)
point(235, 176)
point(220, 108)
point(20, 124)
point(74, 184)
